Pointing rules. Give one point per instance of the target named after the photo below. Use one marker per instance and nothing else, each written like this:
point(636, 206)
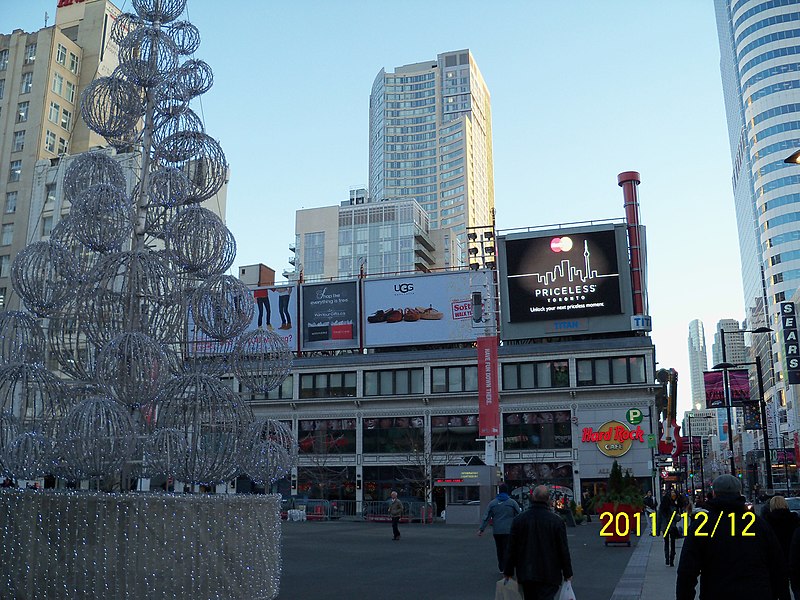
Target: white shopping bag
point(566, 591)
point(507, 590)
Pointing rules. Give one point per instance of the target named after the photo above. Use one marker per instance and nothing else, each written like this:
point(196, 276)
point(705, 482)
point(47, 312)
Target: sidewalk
point(646, 577)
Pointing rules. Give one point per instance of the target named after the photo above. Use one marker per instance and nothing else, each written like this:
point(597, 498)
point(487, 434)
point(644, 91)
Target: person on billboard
point(501, 512)
point(538, 550)
point(284, 293)
point(262, 300)
point(741, 559)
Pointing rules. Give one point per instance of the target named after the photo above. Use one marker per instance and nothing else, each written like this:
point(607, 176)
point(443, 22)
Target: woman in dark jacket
point(784, 523)
point(670, 510)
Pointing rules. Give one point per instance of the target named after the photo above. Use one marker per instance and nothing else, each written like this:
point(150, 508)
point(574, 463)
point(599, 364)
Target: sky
point(581, 91)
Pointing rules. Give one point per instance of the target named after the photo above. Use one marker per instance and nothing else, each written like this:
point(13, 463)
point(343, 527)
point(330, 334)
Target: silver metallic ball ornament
point(168, 187)
point(112, 106)
point(201, 159)
point(32, 395)
point(21, 338)
point(262, 360)
point(29, 456)
point(186, 37)
point(272, 452)
point(69, 344)
point(90, 169)
point(222, 307)
point(160, 11)
point(43, 274)
point(196, 239)
point(105, 215)
point(147, 56)
point(133, 368)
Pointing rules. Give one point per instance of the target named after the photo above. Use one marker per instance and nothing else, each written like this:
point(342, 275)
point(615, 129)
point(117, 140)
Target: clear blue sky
point(581, 91)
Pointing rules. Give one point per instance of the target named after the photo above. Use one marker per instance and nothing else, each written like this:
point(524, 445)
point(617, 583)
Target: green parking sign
point(634, 416)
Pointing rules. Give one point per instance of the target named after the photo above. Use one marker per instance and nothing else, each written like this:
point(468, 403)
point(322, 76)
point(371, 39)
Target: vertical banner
point(715, 392)
point(791, 342)
point(752, 417)
point(488, 395)
point(739, 386)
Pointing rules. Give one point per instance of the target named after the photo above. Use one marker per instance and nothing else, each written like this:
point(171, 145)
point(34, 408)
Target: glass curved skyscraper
point(760, 65)
point(430, 129)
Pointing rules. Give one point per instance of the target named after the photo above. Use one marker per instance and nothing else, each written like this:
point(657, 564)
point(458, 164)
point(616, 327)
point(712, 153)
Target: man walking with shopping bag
point(538, 551)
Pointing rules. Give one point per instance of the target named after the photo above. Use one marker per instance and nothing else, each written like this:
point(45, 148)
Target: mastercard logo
point(563, 244)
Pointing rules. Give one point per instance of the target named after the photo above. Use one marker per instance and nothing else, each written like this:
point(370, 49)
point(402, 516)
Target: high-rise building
point(759, 45)
point(42, 75)
point(736, 352)
point(430, 128)
point(698, 362)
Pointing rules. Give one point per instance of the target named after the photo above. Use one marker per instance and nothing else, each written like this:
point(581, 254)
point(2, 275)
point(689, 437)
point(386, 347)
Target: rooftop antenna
point(46, 17)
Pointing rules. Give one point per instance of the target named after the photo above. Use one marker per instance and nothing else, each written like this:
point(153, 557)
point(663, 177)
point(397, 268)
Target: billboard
point(276, 310)
point(425, 309)
point(329, 316)
point(566, 281)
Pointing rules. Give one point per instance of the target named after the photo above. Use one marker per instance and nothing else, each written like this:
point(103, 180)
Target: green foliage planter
point(622, 495)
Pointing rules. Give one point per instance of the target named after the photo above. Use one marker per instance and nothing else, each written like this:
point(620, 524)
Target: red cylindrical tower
point(629, 181)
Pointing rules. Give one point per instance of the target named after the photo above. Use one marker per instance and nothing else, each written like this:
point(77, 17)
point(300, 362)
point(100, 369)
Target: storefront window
point(393, 434)
point(330, 483)
point(532, 430)
point(455, 433)
point(408, 482)
point(611, 371)
point(530, 474)
point(331, 436)
point(526, 376)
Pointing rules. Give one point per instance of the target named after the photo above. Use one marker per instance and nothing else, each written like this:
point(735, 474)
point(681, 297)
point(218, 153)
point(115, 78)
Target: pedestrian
point(740, 558)
point(784, 523)
point(395, 512)
point(586, 504)
point(501, 511)
point(537, 549)
point(649, 502)
point(669, 519)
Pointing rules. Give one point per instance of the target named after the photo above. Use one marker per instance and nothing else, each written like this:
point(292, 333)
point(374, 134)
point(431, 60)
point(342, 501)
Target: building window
point(393, 434)
point(26, 83)
point(18, 142)
point(22, 111)
point(62, 146)
point(611, 371)
point(74, 64)
point(284, 391)
point(30, 54)
point(61, 55)
point(314, 253)
point(70, 95)
point(66, 119)
point(58, 84)
point(455, 433)
point(535, 430)
point(11, 202)
point(454, 379)
point(327, 436)
point(5, 265)
point(50, 141)
point(391, 383)
point(15, 171)
point(7, 234)
point(3, 60)
point(50, 193)
point(54, 112)
point(2, 88)
point(530, 375)
point(328, 385)
point(47, 226)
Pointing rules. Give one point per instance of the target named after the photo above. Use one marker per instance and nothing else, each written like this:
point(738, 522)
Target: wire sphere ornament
point(147, 56)
point(168, 187)
point(196, 77)
point(28, 456)
point(186, 37)
point(162, 450)
point(96, 437)
point(43, 274)
point(69, 344)
point(262, 360)
point(222, 307)
point(105, 216)
point(9, 430)
point(21, 338)
point(82, 257)
point(169, 98)
point(212, 420)
point(178, 121)
point(132, 291)
point(159, 11)
point(90, 169)
point(202, 161)
point(123, 25)
point(196, 238)
point(32, 395)
point(272, 452)
point(133, 368)
point(201, 354)
point(112, 106)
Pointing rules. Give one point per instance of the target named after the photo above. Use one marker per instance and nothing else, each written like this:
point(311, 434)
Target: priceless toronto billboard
point(329, 313)
point(563, 276)
point(426, 309)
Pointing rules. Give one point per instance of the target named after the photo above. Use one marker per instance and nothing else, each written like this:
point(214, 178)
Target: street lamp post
point(785, 465)
point(726, 392)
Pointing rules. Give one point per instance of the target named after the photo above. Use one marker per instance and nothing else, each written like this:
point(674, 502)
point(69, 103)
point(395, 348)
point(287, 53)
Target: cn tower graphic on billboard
point(563, 276)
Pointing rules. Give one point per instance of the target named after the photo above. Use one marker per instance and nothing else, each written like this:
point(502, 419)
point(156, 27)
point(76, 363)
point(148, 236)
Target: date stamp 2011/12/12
point(699, 524)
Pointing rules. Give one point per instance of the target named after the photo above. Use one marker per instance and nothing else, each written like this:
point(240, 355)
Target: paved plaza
point(339, 559)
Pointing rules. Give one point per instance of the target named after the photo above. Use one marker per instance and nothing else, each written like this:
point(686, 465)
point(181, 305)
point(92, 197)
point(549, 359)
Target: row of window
point(61, 58)
point(456, 379)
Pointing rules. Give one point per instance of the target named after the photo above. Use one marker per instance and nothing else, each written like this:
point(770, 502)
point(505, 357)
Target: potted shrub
point(622, 495)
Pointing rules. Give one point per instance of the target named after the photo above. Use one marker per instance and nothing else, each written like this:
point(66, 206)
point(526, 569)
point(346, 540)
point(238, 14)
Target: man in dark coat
point(538, 549)
point(742, 559)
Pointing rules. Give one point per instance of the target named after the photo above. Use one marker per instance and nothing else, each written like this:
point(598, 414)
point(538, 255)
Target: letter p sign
point(634, 416)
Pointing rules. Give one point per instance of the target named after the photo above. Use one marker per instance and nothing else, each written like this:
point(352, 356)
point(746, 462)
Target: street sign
point(634, 416)
point(652, 440)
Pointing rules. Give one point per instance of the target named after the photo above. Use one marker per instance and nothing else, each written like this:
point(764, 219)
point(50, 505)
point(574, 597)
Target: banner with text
point(488, 393)
point(715, 390)
point(330, 315)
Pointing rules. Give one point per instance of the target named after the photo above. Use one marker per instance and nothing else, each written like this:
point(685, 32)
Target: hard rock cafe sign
point(613, 438)
point(63, 3)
